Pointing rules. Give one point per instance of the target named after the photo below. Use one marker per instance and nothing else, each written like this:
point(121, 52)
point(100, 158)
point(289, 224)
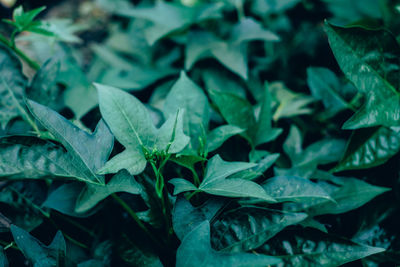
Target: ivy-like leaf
point(215, 181)
point(132, 125)
point(26, 157)
point(295, 189)
point(37, 253)
point(12, 86)
point(348, 193)
point(90, 157)
point(186, 95)
point(166, 18)
point(195, 250)
point(371, 60)
point(247, 228)
point(219, 135)
point(311, 247)
point(370, 147)
point(93, 194)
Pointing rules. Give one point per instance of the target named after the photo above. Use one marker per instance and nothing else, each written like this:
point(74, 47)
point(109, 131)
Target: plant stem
point(33, 64)
point(134, 216)
point(8, 245)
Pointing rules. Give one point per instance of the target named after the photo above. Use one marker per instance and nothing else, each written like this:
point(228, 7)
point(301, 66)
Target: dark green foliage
point(200, 133)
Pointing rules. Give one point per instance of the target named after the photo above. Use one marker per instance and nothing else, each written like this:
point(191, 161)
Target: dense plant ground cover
point(200, 133)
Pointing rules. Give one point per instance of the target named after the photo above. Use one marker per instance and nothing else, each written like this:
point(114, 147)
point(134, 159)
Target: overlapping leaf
point(216, 181)
point(130, 122)
point(371, 60)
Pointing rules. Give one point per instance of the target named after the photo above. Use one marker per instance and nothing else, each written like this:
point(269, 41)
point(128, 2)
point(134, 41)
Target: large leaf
point(93, 194)
point(36, 252)
point(166, 18)
point(12, 86)
point(295, 189)
point(132, 125)
point(195, 250)
point(27, 157)
point(348, 193)
point(310, 247)
point(89, 157)
point(370, 59)
point(248, 228)
point(187, 95)
point(215, 181)
point(370, 147)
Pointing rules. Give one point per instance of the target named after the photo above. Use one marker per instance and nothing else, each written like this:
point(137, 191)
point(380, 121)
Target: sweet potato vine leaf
point(89, 158)
point(220, 180)
point(195, 250)
point(370, 59)
point(130, 122)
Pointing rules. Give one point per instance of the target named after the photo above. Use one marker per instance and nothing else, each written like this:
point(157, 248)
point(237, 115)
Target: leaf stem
point(134, 216)
point(33, 64)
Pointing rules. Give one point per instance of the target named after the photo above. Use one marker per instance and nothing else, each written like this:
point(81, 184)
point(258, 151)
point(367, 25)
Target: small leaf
point(219, 135)
point(186, 95)
point(249, 29)
point(235, 110)
point(247, 228)
point(167, 18)
point(37, 253)
point(195, 250)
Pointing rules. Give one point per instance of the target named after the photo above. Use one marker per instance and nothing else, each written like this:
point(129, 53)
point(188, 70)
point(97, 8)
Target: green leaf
point(310, 247)
point(12, 86)
point(63, 199)
point(3, 258)
point(22, 19)
point(167, 18)
point(215, 181)
point(370, 147)
point(43, 88)
point(93, 194)
point(26, 157)
point(348, 193)
point(262, 165)
point(186, 95)
point(219, 135)
point(130, 122)
point(195, 250)
point(295, 189)
point(90, 157)
point(236, 111)
point(263, 131)
point(247, 228)
point(288, 103)
point(325, 86)
point(249, 29)
point(370, 60)
point(185, 217)
point(37, 253)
